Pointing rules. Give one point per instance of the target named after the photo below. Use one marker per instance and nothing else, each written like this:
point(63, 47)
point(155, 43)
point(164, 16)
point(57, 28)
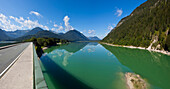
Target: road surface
point(8, 55)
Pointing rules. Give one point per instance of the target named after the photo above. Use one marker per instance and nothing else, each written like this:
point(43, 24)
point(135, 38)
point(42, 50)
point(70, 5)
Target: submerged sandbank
point(134, 81)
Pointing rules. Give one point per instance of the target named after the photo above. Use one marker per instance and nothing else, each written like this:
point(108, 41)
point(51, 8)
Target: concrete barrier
point(39, 81)
point(3, 47)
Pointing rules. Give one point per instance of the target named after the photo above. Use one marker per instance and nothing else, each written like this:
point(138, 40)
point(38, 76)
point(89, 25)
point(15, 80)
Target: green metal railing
point(39, 81)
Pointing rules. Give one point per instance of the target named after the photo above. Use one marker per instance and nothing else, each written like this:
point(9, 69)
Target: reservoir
point(90, 65)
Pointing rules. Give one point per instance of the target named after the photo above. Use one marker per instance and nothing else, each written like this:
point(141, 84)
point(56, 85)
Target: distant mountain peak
point(37, 28)
point(93, 38)
point(73, 30)
point(74, 35)
point(34, 31)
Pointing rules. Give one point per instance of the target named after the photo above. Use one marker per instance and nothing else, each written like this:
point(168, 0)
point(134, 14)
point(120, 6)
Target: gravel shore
point(133, 47)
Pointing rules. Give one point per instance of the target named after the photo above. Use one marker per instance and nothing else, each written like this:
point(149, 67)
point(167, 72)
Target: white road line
point(12, 63)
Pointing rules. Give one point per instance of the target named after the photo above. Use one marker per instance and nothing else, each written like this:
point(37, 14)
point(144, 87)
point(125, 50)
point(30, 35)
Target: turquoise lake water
point(84, 65)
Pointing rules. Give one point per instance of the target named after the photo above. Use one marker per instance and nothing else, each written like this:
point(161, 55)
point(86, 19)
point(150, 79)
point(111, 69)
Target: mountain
point(3, 36)
point(34, 31)
point(40, 34)
point(147, 26)
point(95, 38)
point(17, 33)
point(74, 35)
point(60, 33)
point(46, 33)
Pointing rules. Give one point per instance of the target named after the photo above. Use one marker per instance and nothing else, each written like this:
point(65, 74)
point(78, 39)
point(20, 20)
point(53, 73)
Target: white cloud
point(91, 32)
point(11, 23)
point(5, 23)
point(119, 12)
point(53, 29)
point(11, 17)
point(35, 13)
point(32, 24)
point(18, 20)
point(46, 28)
point(21, 18)
point(67, 24)
point(20, 23)
point(66, 19)
point(60, 28)
point(55, 25)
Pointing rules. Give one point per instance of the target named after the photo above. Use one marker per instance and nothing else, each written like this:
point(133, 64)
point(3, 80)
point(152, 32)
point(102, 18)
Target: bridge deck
point(20, 75)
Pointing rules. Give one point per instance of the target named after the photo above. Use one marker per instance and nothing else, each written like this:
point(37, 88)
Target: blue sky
point(91, 17)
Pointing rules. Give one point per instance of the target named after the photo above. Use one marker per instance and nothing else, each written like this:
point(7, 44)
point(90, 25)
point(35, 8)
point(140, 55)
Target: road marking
point(3, 72)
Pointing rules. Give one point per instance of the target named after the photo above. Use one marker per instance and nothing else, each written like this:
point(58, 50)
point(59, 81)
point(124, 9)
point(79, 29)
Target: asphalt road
point(8, 55)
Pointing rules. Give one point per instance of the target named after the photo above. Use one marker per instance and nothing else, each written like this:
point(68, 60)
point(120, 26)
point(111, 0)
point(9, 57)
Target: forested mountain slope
point(148, 23)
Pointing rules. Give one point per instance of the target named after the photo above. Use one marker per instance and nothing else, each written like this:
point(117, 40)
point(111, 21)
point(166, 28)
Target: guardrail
point(39, 81)
point(3, 47)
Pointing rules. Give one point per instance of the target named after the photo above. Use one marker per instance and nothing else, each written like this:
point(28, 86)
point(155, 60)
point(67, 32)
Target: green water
point(96, 66)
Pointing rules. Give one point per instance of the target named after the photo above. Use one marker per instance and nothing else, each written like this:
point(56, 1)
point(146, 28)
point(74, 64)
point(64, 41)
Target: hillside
point(74, 35)
point(94, 38)
point(17, 33)
point(3, 36)
point(147, 26)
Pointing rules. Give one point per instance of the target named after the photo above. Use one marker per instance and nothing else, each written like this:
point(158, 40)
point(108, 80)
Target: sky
point(90, 17)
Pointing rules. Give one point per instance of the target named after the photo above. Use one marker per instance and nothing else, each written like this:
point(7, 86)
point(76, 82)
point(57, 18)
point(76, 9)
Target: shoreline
point(133, 47)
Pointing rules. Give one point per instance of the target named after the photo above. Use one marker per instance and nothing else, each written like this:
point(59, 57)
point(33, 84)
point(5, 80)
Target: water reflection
point(90, 63)
point(91, 49)
point(102, 66)
point(67, 55)
point(155, 67)
point(72, 47)
point(93, 43)
point(65, 51)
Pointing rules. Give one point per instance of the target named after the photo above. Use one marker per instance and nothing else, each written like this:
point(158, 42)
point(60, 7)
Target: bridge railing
point(39, 81)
